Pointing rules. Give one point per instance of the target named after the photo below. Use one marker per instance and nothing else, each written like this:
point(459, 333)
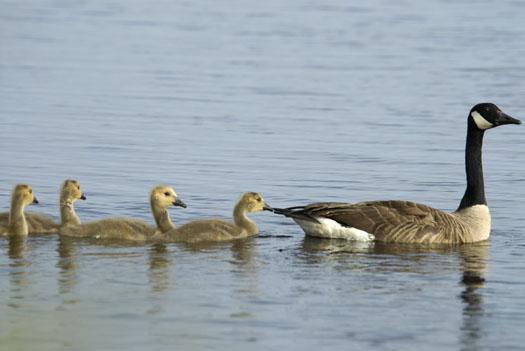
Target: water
point(300, 100)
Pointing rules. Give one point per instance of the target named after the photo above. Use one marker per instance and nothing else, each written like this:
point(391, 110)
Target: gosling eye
point(166, 194)
point(78, 187)
point(30, 191)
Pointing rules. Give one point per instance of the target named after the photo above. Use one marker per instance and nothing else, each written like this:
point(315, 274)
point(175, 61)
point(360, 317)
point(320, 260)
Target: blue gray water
point(300, 100)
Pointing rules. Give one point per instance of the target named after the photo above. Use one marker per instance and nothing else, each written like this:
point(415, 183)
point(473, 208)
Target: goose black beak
point(35, 201)
point(506, 119)
point(267, 207)
point(179, 203)
point(83, 197)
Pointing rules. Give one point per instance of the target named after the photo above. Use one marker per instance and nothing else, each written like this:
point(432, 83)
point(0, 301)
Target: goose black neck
point(475, 193)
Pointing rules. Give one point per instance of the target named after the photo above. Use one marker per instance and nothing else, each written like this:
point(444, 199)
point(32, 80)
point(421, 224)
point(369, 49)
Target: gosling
point(161, 197)
point(21, 196)
point(38, 223)
point(69, 193)
point(214, 230)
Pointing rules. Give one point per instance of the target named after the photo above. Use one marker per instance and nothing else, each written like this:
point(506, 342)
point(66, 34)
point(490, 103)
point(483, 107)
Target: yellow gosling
point(21, 196)
point(161, 197)
point(214, 230)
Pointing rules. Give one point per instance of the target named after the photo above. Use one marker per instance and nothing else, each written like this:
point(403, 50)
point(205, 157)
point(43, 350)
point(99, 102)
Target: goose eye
point(30, 191)
point(78, 187)
point(167, 194)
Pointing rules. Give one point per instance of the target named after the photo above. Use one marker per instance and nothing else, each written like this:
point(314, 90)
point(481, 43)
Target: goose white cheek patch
point(481, 122)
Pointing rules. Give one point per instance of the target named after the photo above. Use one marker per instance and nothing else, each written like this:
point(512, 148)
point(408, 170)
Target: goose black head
point(487, 115)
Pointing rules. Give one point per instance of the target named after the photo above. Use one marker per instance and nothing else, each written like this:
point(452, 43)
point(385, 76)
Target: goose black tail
point(287, 211)
point(295, 212)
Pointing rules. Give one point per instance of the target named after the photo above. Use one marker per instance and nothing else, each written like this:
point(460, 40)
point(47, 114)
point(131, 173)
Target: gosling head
point(70, 191)
point(254, 202)
point(164, 196)
point(487, 115)
point(23, 194)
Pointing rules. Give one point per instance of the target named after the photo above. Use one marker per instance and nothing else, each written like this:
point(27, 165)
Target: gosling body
point(21, 196)
point(38, 223)
point(215, 230)
point(127, 229)
point(70, 192)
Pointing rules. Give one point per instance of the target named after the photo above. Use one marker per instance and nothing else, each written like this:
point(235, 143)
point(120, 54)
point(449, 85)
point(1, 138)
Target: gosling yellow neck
point(242, 221)
point(162, 218)
point(68, 215)
point(17, 220)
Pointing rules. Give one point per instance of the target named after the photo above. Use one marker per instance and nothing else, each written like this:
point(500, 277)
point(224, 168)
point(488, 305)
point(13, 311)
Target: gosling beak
point(267, 207)
point(35, 201)
point(179, 203)
point(83, 196)
point(506, 119)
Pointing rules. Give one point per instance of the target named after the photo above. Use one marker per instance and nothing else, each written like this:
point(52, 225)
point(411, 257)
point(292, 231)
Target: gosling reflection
point(474, 265)
point(243, 254)
point(17, 250)
point(18, 271)
point(67, 276)
point(244, 267)
point(242, 250)
point(159, 268)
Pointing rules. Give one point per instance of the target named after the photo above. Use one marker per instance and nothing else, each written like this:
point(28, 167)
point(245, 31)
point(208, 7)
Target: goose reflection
point(471, 261)
point(409, 257)
point(474, 266)
point(335, 246)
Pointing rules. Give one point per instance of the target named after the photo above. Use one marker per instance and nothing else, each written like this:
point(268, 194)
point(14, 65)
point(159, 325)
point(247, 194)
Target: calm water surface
point(300, 100)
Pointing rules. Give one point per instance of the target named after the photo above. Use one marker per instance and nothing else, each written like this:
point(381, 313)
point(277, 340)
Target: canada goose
point(21, 196)
point(218, 229)
point(161, 197)
point(409, 222)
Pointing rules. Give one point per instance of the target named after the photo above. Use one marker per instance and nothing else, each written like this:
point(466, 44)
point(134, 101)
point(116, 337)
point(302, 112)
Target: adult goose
point(410, 222)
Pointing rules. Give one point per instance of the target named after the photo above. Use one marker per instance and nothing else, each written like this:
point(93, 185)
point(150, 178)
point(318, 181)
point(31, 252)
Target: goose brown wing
point(400, 221)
